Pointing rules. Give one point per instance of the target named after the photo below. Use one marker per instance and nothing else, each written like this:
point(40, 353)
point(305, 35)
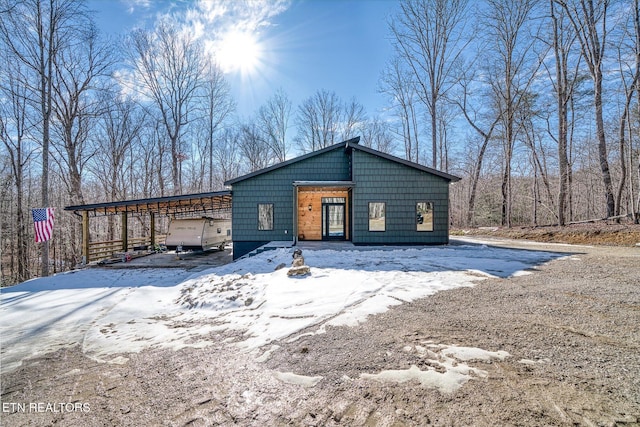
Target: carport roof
point(185, 203)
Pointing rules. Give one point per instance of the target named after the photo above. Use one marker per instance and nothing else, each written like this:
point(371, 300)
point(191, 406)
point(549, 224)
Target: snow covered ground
point(109, 311)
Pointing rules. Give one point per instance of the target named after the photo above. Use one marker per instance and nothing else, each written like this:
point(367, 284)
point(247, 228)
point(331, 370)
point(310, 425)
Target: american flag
point(43, 223)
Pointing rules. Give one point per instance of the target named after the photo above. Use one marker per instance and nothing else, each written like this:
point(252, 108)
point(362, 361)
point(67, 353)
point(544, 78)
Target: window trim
point(271, 217)
point(369, 217)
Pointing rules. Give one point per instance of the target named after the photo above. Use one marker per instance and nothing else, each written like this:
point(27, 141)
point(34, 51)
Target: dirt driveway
point(571, 329)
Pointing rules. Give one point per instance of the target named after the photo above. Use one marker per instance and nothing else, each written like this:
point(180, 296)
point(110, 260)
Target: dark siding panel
point(400, 187)
point(243, 248)
point(277, 187)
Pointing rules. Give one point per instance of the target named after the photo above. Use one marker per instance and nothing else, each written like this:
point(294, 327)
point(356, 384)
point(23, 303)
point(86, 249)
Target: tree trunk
point(434, 133)
point(562, 100)
point(46, 76)
point(602, 146)
point(622, 145)
point(474, 183)
point(23, 270)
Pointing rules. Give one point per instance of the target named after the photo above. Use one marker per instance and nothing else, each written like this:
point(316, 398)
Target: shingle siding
point(401, 188)
point(377, 178)
point(276, 187)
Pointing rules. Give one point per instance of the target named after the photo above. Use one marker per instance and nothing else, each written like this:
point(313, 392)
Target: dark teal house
point(342, 192)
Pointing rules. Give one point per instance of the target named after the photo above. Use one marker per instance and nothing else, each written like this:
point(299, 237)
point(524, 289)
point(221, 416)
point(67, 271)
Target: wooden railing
point(111, 248)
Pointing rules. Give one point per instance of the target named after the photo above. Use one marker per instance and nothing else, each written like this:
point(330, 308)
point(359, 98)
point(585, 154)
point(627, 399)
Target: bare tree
point(35, 32)
point(472, 114)
point(630, 80)
point(526, 120)
point(168, 69)
point(506, 22)
point(14, 128)
point(397, 84)
point(273, 119)
point(589, 20)
point(376, 133)
point(118, 128)
point(428, 35)
point(448, 113)
point(218, 107)
point(636, 26)
point(254, 148)
point(79, 71)
point(227, 153)
point(318, 121)
point(563, 39)
point(353, 120)
point(147, 158)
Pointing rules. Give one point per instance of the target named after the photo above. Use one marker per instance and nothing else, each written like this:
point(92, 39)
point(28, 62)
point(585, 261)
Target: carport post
point(153, 230)
point(85, 237)
point(125, 242)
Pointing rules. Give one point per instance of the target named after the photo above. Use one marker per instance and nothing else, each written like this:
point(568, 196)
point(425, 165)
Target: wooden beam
point(85, 237)
point(125, 234)
point(153, 230)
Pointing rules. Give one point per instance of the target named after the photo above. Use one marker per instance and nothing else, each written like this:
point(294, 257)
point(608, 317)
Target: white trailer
point(199, 234)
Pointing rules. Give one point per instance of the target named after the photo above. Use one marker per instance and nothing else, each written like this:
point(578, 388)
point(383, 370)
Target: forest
point(535, 104)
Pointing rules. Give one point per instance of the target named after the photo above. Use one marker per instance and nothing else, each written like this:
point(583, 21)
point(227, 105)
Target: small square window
point(265, 216)
point(377, 216)
point(424, 216)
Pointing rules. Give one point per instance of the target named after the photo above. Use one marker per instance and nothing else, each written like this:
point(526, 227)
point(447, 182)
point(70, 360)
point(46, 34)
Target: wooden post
point(153, 230)
point(295, 216)
point(125, 241)
point(85, 237)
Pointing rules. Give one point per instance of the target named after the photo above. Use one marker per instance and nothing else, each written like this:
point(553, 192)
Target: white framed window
point(424, 216)
point(265, 216)
point(377, 216)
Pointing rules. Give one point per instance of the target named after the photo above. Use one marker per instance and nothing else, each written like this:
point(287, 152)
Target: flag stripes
point(43, 223)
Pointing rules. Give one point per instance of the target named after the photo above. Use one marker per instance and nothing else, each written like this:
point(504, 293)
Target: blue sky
point(303, 45)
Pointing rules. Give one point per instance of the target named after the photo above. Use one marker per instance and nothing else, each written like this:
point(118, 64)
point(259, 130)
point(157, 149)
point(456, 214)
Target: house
point(342, 192)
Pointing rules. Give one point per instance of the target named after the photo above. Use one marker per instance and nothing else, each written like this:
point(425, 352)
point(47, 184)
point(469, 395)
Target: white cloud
point(133, 5)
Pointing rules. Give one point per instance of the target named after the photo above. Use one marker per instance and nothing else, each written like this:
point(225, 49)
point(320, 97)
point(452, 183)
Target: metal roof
point(185, 203)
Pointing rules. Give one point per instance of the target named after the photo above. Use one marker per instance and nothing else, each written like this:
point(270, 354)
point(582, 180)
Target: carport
point(212, 203)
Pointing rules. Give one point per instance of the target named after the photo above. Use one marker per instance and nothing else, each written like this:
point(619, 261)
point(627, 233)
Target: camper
point(199, 234)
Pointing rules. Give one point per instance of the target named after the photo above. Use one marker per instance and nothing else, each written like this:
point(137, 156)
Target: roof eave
point(134, 202)
point(447, 176)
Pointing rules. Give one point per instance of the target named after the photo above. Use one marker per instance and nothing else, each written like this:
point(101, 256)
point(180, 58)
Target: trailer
point(199, 234)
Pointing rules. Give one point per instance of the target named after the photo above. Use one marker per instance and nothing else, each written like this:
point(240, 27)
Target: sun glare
point(239, 52)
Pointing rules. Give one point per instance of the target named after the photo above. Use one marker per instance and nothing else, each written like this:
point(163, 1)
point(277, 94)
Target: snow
point(109, 312)
point(470, 353)
point(447, 366)
point(446, 370)
point(302, 380)
point(448, 381)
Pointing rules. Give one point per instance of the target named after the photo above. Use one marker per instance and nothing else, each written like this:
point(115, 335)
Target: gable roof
point(342, 144)
point(349, 144)
point(404, 162)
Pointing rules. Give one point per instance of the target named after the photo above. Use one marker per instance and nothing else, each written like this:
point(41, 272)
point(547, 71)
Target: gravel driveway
point(571, 330)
